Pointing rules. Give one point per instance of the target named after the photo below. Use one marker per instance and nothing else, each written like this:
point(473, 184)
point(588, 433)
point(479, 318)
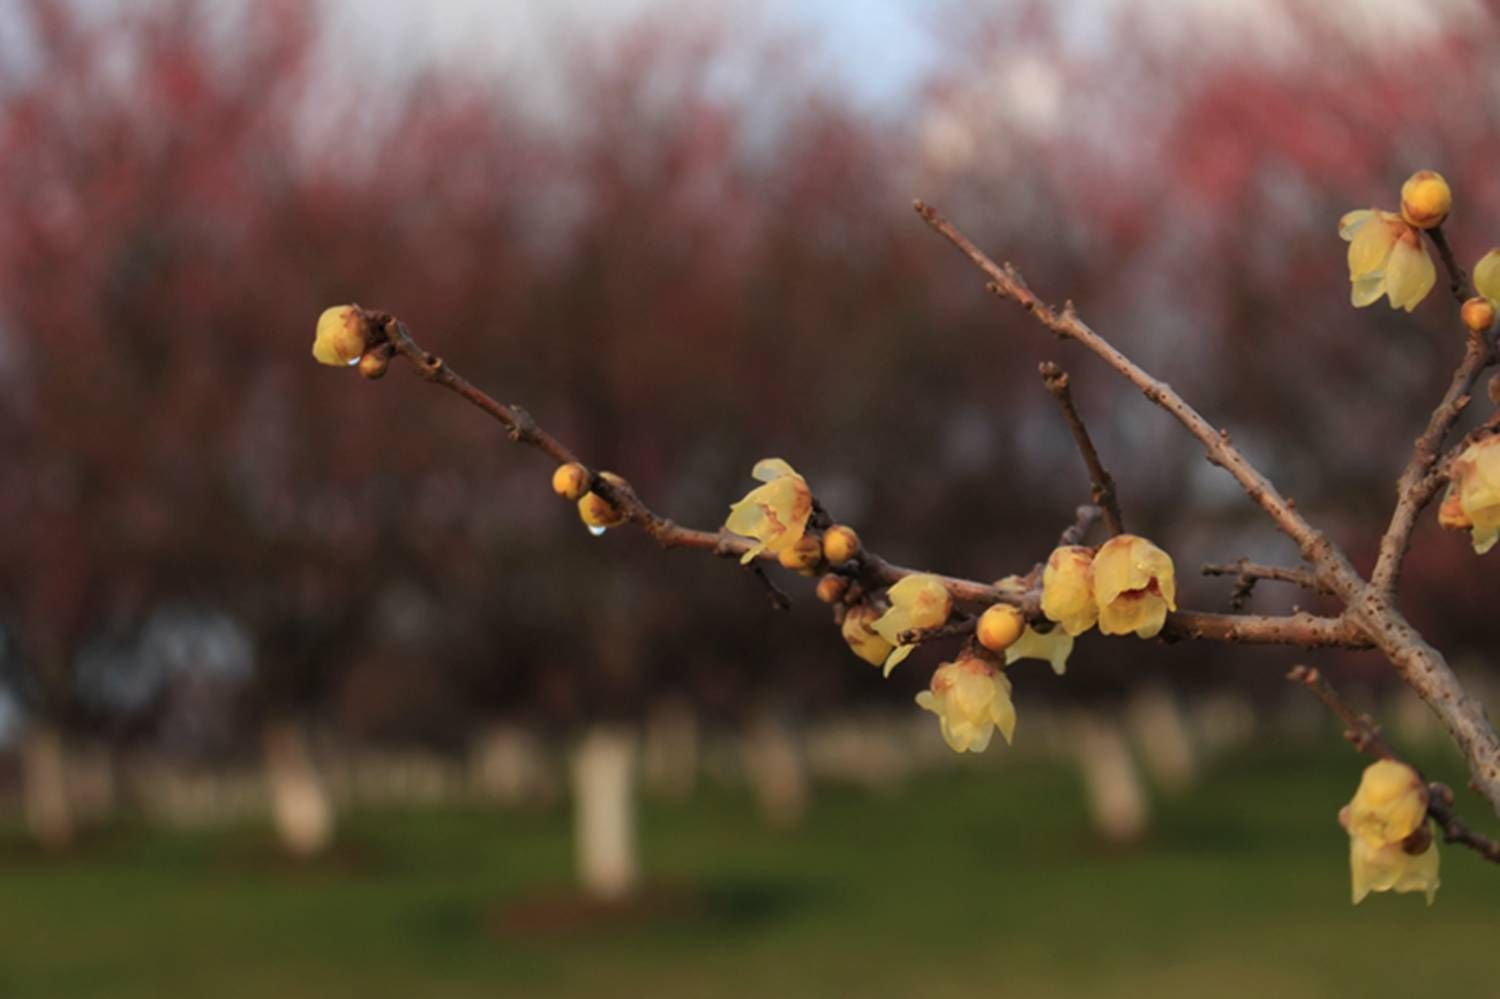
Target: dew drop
point(596, 531)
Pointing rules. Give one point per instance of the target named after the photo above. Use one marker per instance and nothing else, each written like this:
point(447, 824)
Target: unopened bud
point(1426, 199)
point(570, 481)
point(342, 336)
point(1478, 314)
point(803, 556)
point(999, 627)
point(840, 544)
point(598, 512)
point(374, 365)
point(832, 587)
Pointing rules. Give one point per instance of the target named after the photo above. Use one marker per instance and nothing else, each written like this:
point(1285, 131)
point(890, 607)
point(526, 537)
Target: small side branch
point(1418, 483)
point(1248, 573)
point(1056, 380)
point(1363, 734)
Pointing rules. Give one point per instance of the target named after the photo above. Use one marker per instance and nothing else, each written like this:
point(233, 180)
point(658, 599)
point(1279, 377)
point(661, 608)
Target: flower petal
point(1410, 274)
point(1487, 275)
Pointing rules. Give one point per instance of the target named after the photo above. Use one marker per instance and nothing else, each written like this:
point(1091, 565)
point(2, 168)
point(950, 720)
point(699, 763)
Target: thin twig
point(1458, 280)
point(1083, 519)
point(1056, 380)
point(1363, 734)
point(1248, 573)
point(1417, 485)
point(1300, 630)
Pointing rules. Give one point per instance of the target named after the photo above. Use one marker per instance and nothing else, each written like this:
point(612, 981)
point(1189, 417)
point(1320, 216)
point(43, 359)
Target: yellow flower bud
point(832, 587)
point(596, 511)
point(1051, 647)
point(971, 699)
point(1135, 585)
point(1476, 483)
point(1478, 314)
point(862, 638)
point(1451, 514)
point(774, 514)
point(1068, 589)
point(802, 557)
point(570, 481)
point(373, 365)
point(1426, 199)
point(999, 627)
point(918, 602)
point(840, 544)
point(342, 336)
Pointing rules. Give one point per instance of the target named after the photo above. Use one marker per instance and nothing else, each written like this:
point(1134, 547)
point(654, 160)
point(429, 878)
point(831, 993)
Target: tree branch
point(1458, 280)
point(1056, 380)
point(1417, 484)
point(1330, 564)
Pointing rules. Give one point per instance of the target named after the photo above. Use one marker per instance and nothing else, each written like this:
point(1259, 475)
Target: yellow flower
point(774, 514)
point(1134, 586)
point(1391, 844)
point(1389, 805)
point(866, 644)
point(1476, 484)
point(1068, 589)
point(971, 699)
point(918, 602)
point(1386, 257)
point(341, 338)
point(1050, 647)
point(1426, 199)
point(1389, 867)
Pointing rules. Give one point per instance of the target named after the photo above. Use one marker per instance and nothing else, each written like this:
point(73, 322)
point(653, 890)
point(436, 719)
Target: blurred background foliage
point(233, 583)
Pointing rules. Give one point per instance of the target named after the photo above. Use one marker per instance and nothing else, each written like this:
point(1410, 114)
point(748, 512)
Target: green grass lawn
point(979, 882)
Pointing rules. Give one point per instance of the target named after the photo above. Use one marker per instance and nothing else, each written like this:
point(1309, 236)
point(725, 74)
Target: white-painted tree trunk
point(604, 779)
point(1117, 799)
point(44, 777)
point(1160, 728)
point(777, 770)
point(300, 806)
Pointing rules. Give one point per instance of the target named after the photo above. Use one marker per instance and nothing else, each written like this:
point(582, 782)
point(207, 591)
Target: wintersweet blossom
point(1478, 313)
point(1135, 586)
point(971, 699)
point(1386, 257)
point(1391, 843)
point(774, 514)
point(1473, 498)
point(918, 602)
point(1052, 647)
point(1068, 589)
point(599, 513)
point(341, 338)
point(865, 641)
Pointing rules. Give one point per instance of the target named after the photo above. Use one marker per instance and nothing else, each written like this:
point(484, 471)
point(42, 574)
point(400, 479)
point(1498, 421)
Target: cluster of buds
point(1391, 841)
point(1387, 256)
point(344, 339)
point(572, 482)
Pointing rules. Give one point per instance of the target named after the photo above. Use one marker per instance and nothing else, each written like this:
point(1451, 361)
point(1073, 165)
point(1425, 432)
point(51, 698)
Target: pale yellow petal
point(1053, 647)
point(1410, 274)
point(1353, 221)
point(1370, 248)
point(1487, 275)
point(1068, 589)
point(1389, 804)
point(897, 657)
point(770, 469)
point(1367, 290)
